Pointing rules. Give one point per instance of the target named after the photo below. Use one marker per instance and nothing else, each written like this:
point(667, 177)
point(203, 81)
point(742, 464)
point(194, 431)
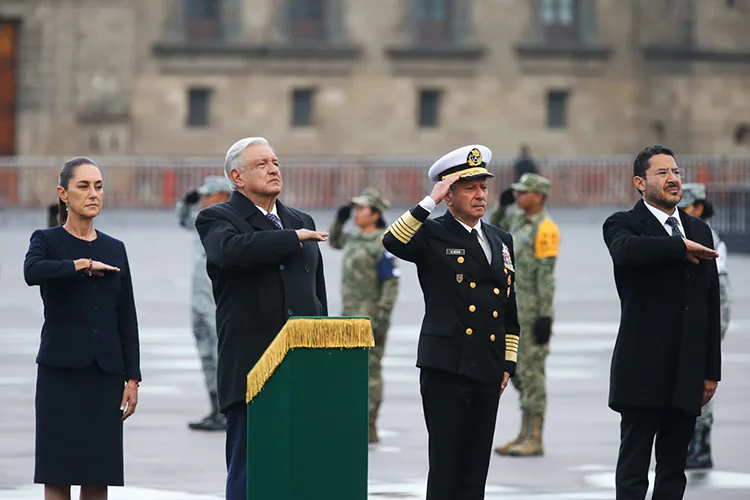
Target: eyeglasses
point(664, 172)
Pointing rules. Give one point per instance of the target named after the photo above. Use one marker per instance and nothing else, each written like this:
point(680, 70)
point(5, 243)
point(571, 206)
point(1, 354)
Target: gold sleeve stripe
point(404, 228)
point(511, 356)
point(397, 233)
point(412, 222)
point(401, 231)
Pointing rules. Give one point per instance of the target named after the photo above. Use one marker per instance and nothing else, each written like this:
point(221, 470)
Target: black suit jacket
point(86, 318)
point(669, 337)
point(470, 326)
point(260, 277)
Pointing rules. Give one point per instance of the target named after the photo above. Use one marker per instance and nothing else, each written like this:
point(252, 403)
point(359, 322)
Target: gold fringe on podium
point(311, 333)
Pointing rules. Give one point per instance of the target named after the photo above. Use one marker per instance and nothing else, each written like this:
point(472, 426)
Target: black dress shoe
point(213, 422)
point(699, 451)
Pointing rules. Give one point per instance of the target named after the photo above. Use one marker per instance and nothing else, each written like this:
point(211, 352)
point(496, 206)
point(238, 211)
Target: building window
point(302, 107)
point(433, 20)
point(559, 20)
point(742, 134)
point(199, 107)
point(307, 19)
point(660, 131)
point(203, 19)
point(429, 108)
point(557, 109)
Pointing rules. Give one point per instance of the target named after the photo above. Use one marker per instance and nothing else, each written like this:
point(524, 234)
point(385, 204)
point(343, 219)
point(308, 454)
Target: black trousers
point(673, 429)
point(236, 451)
point(460, 414)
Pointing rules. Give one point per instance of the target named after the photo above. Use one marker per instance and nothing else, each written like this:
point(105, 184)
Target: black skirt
point(78, 427)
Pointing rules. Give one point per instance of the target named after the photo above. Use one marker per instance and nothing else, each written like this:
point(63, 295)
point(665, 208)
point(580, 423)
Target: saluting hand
point(441, 189)
point(97, 268)
point(697, 252)
point(306, 234)
point(506, 378)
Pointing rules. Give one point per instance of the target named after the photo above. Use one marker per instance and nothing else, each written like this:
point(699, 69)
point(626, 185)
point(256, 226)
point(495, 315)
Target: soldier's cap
point(691, 193)
point(470, 161)
point(371, 198)
point(532, 182)
point(214, 184)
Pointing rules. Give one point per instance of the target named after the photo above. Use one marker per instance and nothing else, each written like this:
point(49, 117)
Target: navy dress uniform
point(470, 332)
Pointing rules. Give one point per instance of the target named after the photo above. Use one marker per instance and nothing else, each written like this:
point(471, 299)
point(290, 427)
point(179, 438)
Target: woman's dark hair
point(66, 173)
point(708, 209)
point(381, 222)
point(643, 159)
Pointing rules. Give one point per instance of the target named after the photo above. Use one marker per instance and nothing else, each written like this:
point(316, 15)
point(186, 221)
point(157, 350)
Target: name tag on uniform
point(455, 251)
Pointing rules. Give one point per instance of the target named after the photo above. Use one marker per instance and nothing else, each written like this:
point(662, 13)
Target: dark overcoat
point(260, 276)
point(669, 338)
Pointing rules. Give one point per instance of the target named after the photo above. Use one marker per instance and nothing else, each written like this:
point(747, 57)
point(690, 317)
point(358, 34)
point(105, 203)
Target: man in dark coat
point(468, 345)
point(667, 359)
point(265, 266)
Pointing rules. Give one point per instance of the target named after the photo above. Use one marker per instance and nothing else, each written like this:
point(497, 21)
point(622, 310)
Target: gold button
point(506, 270)
point(508, 293)
point(472, 308)
point(492, 337)
point(494, 314)
point(460, 260)
point(469, 331)
point(473, 285)
point(497, 291)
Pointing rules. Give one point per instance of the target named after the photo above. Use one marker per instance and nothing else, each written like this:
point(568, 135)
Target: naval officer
point(468, 344)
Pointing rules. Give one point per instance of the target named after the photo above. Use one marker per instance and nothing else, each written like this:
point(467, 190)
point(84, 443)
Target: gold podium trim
point(312, 333)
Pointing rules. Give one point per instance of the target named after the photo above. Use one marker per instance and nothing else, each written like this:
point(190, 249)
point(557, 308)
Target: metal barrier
point(141, 182)
point(732, 215)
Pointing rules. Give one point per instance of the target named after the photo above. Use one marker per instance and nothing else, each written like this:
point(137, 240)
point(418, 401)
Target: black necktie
point(672, 222)
point(273, 218)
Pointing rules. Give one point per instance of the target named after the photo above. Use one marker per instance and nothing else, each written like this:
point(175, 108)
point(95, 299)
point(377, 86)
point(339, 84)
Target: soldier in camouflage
point(215, 189)
point(537, 240)
point(694, 203)
point(369, 281)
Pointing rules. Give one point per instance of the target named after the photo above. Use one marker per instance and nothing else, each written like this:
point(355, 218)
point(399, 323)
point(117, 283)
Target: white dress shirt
point(662, 218)
point(429, 204)
point(273, 211)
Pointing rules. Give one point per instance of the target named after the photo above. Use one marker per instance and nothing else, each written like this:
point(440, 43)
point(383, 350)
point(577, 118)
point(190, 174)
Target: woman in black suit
point(88, 366)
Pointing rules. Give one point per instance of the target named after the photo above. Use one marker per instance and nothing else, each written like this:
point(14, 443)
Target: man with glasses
point(666, 362)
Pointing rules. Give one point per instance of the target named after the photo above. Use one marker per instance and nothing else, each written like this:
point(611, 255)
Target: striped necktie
point(672, 222)
point(273, 218)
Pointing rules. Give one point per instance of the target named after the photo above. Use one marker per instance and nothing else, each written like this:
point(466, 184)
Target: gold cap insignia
point(474, 158)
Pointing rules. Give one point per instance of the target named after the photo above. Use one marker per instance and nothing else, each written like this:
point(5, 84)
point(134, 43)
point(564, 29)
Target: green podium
point(307, 410)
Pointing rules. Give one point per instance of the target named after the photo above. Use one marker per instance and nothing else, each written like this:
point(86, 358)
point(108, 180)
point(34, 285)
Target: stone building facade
point(381, 78)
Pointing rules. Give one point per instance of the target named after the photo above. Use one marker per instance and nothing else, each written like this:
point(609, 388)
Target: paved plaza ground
point(165, 460)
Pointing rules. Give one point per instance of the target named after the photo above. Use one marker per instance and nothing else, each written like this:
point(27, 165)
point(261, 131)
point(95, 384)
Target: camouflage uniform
point(369, 287)
point(699, 452)
point(537, 240)
point(202, 305)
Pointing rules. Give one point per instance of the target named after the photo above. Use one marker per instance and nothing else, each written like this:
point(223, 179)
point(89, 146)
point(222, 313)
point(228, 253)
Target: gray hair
point(233, 159)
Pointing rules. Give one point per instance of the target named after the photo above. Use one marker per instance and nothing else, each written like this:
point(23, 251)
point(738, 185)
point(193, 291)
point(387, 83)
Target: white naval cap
point(471, 161)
